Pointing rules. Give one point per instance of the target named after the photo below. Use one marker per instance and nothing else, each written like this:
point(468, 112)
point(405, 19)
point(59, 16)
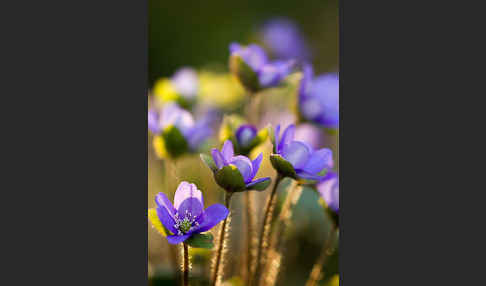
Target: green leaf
point(245, 74)
point(261, 186)
point(230, 179)
point(201, 240)
point(174, 141)
point(272, 138)
point(283, 166)
point(208, 160)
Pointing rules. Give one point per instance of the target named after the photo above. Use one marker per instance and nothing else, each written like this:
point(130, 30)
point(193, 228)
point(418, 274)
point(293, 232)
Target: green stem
point(185, 268)
point(222, 233)
point(264, 233)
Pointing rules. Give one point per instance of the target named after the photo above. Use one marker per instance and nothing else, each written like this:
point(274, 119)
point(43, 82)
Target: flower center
point(185, 224)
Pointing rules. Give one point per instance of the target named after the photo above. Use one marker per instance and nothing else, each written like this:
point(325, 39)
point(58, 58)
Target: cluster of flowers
point(176, 132)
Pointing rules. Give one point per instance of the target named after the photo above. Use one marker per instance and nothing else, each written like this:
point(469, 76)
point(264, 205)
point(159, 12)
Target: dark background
point(198, 33)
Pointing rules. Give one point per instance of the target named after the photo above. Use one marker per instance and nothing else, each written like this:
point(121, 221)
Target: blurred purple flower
point(269, 73)
point(186, 82)
point(171, 114)
point(310, 133)
point(247, 168)
point(306, 162)
point(319, 98)
point(329, 190)
point(187, 216)
point(245, 134)
point(285, 41)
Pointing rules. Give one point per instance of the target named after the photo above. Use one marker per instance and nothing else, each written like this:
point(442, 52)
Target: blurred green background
point(197, 34)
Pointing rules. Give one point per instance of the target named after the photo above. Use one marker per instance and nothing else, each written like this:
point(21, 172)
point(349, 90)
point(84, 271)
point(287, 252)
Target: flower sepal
point(174, 142)
point(208, 161)
point(260, 186)
point(230, 179)
point(312, 182)
point(201, 240)
point(244, 73)
point(282, 166)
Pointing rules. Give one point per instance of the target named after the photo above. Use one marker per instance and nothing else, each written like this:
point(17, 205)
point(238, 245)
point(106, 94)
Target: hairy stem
point(264, 233)
point(185, 267)
point(316, 273)
point(283, 222)
point(221, 243)
point(250, 236)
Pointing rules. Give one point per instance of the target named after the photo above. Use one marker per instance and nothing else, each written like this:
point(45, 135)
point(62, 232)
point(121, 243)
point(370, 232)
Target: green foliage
point(174, 142)
point(260, 186)
point(208, 160)
point(201, 240)
point(282, 166)
point(230, 179)
point(244, 73)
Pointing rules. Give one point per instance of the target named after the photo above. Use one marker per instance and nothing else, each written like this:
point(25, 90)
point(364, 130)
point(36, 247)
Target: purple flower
point(283, 38)
point(247, 168)
point(245, 135)
point(306, 162)
point(269, 74)
point(171, 114)
point(319, 98)
point(187, 216)
point(186, 82)
point(329, 190)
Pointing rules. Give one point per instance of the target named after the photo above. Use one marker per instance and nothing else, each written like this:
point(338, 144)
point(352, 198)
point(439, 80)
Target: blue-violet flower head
point(284, 39)
point(245, 166)
point(187, 215)
point(171, 114)
point(306, 162)
point(268, 73)
point(329, 190)
point(319, 98)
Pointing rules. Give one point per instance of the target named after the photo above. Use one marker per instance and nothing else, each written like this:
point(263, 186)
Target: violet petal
point(185, 191)
point(297, 153)
point(318, 160)
point(163, 201)
point(287, 136)
point(175, 239)
point(218, 158)
point(256, 165)
point(308, 176)
point(227, 151)
point(244, 165)
point(166, 219)
point(190, 206)
point(212, 216)
point(257, 181)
